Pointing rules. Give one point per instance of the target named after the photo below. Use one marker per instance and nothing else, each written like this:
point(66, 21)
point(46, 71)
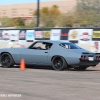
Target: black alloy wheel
point(6, 60)
point(59, 63)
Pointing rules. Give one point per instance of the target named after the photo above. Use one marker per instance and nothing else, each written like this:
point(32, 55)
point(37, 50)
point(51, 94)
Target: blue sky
point(8, 2)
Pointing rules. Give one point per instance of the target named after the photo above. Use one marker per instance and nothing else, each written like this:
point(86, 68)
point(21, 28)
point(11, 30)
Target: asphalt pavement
point(47, 84)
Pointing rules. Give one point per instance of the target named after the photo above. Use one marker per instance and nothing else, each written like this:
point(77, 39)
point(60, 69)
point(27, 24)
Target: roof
point(54, 41)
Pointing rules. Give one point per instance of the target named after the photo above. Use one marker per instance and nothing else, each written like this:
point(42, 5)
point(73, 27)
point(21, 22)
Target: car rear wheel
point(81, 68)
point(6, 60)
point(59, 63)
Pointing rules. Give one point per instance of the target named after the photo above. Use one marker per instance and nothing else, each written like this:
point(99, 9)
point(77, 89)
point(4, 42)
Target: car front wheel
point(6, 60)
point(59, 63)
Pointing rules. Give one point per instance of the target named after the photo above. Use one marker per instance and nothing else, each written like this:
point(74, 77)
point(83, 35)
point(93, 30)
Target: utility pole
point(38, 12)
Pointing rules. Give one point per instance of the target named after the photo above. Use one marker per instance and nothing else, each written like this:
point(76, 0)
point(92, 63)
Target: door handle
point(45, 52)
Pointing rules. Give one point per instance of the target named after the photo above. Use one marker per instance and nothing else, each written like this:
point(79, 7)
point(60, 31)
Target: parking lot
point(47, 84)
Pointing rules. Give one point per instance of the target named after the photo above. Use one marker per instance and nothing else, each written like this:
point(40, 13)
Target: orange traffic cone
point(96, 66)
point(22, 65)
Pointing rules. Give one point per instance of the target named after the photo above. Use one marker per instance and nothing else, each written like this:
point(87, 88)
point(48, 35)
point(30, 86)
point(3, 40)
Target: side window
point(65, 45)
point(41, 45)
point(69, 46)
point(38, 45)
point(48, 46)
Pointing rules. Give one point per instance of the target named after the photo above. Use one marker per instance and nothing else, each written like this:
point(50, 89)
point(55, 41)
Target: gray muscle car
point(58, 54)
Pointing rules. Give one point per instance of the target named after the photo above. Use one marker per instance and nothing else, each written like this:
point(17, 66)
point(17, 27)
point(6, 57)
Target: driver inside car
point(47, 46)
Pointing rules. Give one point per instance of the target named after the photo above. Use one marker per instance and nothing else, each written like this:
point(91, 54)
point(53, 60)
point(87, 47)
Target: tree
point(5, 21)
point(19, 22)
point(54, 10)
point(66, 20)
point(87, 12)
point(49, 16)
point(89, 5)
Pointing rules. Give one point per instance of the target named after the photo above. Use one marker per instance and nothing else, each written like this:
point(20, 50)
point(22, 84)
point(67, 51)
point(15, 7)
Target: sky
point(8, 2)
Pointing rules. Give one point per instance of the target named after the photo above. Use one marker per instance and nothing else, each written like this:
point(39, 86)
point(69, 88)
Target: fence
point(88, 38)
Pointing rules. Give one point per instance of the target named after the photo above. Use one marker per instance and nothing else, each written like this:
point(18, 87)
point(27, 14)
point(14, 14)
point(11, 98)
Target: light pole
point(38, 12)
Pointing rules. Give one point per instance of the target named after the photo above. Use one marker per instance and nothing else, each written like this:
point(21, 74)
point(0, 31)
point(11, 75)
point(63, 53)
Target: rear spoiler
point(85, 53)
point(97, 53)
point(89, 53)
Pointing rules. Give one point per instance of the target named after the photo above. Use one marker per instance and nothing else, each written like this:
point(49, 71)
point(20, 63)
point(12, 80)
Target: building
point(25, 11)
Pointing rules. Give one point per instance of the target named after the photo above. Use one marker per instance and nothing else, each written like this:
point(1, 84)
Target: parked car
point(58, 54)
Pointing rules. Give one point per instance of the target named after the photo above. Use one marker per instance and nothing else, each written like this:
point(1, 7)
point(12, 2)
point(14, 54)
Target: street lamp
point(38, 14)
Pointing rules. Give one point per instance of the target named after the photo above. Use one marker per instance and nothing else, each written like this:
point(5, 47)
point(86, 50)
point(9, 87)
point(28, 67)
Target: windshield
point(70, 46)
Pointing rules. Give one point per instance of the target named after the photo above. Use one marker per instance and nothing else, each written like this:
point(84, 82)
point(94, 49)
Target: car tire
point(59, 63)
point(6, 60)
point(80, 68)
